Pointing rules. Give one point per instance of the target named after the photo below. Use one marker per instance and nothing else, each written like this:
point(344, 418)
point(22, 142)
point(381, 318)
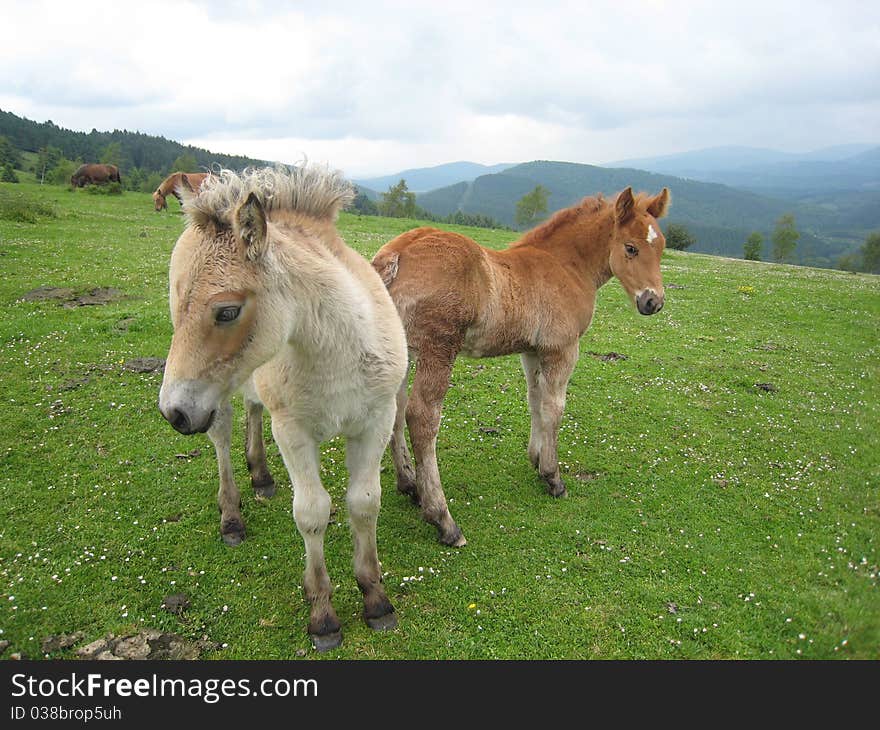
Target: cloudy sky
point(377, 87)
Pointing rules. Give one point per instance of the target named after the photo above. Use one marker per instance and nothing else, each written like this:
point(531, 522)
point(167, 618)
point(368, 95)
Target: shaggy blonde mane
point(312, 190)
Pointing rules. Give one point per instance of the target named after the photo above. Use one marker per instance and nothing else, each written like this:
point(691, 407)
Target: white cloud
point(376, 87)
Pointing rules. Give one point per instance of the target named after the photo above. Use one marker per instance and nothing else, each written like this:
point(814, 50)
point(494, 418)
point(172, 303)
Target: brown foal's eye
point(631, 250)
point(227, 314)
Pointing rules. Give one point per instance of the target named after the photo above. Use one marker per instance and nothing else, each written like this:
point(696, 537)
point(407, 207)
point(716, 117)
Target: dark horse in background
point(95, 174)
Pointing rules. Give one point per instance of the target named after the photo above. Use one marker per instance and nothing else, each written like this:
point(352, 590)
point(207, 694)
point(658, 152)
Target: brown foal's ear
point(624, 206)
point(659, 204)
point(249, 224)
point(185, 184)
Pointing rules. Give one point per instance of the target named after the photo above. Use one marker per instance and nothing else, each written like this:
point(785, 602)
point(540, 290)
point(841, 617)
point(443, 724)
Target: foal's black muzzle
point(649, 302)
point(187, 423)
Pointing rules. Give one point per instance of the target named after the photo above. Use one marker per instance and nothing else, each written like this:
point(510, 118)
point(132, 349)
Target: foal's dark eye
point(227, 314)
point(631, 250)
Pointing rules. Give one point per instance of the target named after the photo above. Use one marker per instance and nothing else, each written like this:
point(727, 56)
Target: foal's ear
point(659, 204)
point(185, 184)
point(249, 224)
point(624, 206)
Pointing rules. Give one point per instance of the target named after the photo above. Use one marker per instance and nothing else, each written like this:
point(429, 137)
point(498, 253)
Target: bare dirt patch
point(144, 364)
point(147, 644)
point(608, 356)
point(57, 642)
point(70, 298)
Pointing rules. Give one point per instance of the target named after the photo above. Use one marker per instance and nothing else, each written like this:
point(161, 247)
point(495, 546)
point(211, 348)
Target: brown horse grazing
point(535, 298)
point(174, 181)
point(262, 288)
point(94, 175)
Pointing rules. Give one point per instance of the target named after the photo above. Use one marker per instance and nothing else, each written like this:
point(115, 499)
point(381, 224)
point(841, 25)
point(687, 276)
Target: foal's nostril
point(179, 420)
point(649, 303)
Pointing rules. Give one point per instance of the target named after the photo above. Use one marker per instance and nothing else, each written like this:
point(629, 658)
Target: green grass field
point(724, 478)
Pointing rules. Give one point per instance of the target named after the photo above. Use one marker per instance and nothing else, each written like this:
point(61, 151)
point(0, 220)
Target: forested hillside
point(139, 156)
point(720, 217)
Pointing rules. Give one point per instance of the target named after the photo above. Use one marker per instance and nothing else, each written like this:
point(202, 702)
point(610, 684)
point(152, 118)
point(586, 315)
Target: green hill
point(720, 217)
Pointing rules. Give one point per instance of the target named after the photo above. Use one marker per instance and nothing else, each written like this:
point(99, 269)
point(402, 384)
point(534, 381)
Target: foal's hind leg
point(311, 511)
point(363, 456)
point(255, 449)
point(228, 497)
point(406, 475)
point(556, 369)
point(423, 411)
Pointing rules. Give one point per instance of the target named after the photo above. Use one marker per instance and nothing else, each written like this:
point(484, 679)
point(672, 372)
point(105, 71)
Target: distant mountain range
point(429, 178)
point(720, 216)
point(808, 175)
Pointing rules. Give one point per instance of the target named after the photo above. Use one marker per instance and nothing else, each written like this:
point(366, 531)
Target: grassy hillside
point(722, 477)
point(720, 217)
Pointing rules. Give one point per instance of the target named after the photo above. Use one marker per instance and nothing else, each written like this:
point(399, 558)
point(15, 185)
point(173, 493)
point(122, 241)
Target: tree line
point(400, 202)
point(143, 160)
point(532, 207)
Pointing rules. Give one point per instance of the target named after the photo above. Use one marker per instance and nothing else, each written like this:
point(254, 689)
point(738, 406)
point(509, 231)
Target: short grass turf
point(723, 479)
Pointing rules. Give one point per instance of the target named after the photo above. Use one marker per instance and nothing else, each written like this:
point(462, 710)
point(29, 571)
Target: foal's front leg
point(555, 370)
point(255, 449)
point(228, 496)
point(311, 511)
point(363, 456)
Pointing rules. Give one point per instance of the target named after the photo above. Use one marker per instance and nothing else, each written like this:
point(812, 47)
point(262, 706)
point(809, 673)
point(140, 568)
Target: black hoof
point(232, 531)
point(383, 623)
point(265, 489)
point(326, 642)
point(556, 489)
point(408, 487)
point(453, 537)
point(233, 539)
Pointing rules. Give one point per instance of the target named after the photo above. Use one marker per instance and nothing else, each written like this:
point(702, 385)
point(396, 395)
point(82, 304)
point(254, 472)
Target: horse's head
point(159, 201)
point(636, 247)
point(221, 310)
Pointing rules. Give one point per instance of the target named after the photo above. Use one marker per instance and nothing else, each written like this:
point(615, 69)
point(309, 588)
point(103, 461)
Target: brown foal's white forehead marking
point(652, 234)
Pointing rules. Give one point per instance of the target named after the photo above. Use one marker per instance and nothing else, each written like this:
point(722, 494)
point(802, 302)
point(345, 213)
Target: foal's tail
point(386, 264)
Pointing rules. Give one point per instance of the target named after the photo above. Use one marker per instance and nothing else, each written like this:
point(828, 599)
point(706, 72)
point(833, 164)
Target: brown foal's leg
point(255, 449)
point(423, 411)
point(228, 497)
point(406, 475)
point(556, 369)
